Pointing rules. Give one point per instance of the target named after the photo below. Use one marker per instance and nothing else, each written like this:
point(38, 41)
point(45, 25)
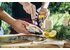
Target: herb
point(63, 32)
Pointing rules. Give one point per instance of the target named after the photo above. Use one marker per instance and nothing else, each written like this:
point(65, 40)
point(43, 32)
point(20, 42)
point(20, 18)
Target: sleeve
point(0, 4)
point(7, 6)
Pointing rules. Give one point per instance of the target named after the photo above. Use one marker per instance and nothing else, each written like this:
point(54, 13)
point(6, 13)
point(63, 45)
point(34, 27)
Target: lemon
point(46, 34)
point(41, 16)
point(52, 34)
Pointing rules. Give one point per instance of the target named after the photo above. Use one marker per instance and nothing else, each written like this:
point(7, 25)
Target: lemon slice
point(52, 34)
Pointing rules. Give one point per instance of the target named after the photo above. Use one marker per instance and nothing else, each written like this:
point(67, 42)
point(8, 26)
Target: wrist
point(12, 22)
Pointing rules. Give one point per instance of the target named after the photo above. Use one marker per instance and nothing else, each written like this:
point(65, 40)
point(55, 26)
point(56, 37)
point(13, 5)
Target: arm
point(4, 16)
point(29, 8)
point(18, 25)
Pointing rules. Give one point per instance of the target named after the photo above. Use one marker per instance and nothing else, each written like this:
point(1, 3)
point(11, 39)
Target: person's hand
point(43, 10)
point(20, 26)
point(28, 7)
point(47, 12)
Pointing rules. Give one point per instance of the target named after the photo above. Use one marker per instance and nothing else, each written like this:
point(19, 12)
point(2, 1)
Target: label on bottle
point(41, 16)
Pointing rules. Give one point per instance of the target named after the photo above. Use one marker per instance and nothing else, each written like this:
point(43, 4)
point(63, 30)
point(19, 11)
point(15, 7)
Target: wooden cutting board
point(67, 45)
point(48, 43)
point(29, 45)
point(38, 44)
point(33, 45)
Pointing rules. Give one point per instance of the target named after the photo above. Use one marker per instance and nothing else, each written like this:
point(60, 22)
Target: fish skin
point(22, 37)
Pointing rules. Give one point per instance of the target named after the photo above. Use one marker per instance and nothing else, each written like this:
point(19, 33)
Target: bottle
point(48, 24)
point(41, 18)
point(69, 22)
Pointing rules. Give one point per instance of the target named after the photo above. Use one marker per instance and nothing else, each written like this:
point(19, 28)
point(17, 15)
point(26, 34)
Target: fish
point(36, 36)
point(34, 29)
point(11, 38)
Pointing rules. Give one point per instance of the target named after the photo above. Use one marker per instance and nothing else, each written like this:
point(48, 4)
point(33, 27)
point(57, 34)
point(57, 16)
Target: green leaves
point(63, 32)
point(5, 27)
point(59, 7)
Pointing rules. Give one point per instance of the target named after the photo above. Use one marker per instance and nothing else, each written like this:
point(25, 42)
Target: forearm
point(6, 17)
point(29, 7)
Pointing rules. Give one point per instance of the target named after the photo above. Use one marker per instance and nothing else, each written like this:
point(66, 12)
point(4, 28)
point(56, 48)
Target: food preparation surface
point(49, 43)
point(30, 41)
point(29, 45)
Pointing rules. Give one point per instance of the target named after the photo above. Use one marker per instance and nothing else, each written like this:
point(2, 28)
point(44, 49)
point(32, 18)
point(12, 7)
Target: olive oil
point(41, 18)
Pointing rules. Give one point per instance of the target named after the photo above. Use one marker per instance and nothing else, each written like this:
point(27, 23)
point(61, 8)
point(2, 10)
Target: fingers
point(27, 10)
point(26, 7)
point(24, 23)
point(24, 31)
point(44, 10)
point(20, 27)
point(33, 11)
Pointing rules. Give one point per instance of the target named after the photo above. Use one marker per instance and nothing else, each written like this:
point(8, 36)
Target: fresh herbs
point(63, 32)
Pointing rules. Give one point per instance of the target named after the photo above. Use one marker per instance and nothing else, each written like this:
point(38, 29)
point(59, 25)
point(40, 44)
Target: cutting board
point(29, 45)
point(48, 43)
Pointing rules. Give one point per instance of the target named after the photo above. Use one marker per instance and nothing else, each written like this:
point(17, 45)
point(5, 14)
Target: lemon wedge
point(52, 34)
point(46, 34)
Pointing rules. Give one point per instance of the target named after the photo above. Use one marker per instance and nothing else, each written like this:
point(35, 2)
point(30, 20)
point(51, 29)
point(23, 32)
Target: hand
point(19, 26)
point(28, 7)
point(46, 11)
